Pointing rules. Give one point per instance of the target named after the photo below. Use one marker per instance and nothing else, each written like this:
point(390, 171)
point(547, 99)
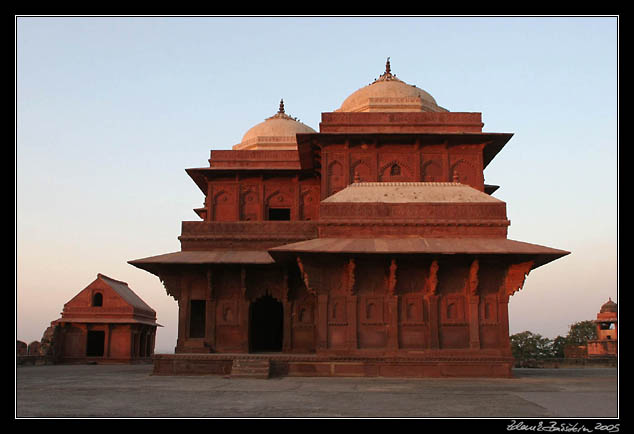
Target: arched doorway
point(266, 325)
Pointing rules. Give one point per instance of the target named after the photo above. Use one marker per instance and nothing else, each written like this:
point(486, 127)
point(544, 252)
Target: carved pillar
point(392, 303)
point(244, 305)
point(513, 282)
point(172, 284)
point(432, 303)
point(392, 334)
point(474, 322)
point(183, 321)
point(288, 317)
point(287, 338)
point(322, 326)
point(474, 301)
point(106, 344)
point(210, 314)
point(352, 306)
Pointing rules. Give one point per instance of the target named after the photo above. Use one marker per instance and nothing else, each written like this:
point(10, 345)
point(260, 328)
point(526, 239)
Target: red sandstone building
point(606, 343)
point(105, 322)
point(372, 247)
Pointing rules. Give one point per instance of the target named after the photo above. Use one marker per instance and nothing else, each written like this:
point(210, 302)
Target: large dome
point(275, 133)
point(390, 94)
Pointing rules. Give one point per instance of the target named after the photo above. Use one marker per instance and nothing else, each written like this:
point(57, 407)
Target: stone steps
point(251, 368)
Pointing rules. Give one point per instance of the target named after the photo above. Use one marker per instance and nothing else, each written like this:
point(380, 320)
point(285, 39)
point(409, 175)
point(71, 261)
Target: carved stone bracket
point(172, 284)
point(391, 280)
point(350, 267)
point(473, 277)
point(432, 281)
point(305, 276)
point(515, 277)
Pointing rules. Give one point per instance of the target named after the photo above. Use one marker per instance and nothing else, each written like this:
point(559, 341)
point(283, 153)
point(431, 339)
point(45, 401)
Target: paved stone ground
point(130, 391)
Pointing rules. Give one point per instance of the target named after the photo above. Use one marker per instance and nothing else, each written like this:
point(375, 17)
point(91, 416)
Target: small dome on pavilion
point(390, 94)
point(275, 133)
point(609, 306)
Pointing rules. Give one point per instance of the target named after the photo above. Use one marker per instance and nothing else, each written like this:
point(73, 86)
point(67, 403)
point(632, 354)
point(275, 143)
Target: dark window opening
point(197, 319)
point(94, 343)
point(279, 214)
point(266, 325)
point(97, 300)
point(395, 170)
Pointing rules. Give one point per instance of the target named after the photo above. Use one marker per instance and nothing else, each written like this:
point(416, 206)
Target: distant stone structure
point(607, 325)
point(21, 348)
point(104, 323)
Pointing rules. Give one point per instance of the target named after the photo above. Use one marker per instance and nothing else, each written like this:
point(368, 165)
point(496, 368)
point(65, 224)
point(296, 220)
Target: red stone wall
point(335, 304)
point(367, 160)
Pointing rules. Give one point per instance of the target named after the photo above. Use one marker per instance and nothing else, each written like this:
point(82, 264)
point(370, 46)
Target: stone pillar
point(244, 307)
point(432, 301)
point(106, 343)
point(288, 329)
point(152, 341)
point(392, 337)
point(503, 312)
point(474, 322)
point(322, 326)
point(513, 282)
point(210, 324)
point(210, 314)
point(183, 323)
point(352, 318)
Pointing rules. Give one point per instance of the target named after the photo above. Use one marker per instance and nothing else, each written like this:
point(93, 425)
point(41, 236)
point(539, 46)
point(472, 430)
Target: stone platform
point(314, 365)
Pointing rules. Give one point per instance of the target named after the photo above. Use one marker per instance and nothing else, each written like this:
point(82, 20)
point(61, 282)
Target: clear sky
point(110, 111)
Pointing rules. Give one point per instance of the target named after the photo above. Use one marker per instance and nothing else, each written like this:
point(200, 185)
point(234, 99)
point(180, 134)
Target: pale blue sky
point(112, 110)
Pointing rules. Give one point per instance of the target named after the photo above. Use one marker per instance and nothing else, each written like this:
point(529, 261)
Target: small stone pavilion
point(606, 344)
point(372, 247)
point(106, 322)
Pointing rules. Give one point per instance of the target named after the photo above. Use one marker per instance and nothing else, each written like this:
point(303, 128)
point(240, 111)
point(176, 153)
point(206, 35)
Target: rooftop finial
point(387, 75)
point(281, 110)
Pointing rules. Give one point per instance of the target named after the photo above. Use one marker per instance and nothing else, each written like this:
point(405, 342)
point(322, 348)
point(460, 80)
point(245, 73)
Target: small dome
point(275, 133)
point(389, 94)
point(609, 306)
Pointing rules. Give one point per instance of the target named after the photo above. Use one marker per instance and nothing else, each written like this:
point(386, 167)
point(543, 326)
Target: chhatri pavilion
point(372, 247)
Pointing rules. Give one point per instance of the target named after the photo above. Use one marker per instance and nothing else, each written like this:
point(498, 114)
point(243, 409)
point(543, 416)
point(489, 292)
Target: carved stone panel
point(309, 203)
point(337, 311)
point(336, 177)
point(452, 309)
point(250, 204)
point(432, 170)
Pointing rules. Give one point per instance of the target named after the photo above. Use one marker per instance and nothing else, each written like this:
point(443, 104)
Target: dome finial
point(387, 75)
point(281, 110)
